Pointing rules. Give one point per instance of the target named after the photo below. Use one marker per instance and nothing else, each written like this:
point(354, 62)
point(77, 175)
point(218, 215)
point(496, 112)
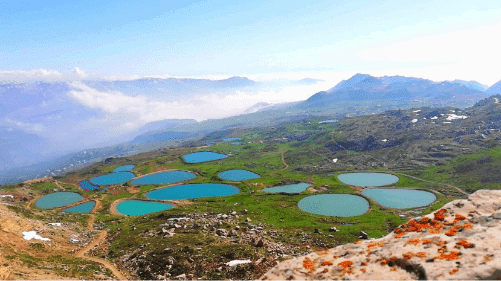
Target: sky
point(331, 40)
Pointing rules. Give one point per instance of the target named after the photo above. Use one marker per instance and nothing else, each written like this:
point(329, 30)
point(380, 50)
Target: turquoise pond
point(339, 205)
point(400, 198)
point(238, 175)
point(113, 178)
point(58, 199)
point(231, 139)
point(368, 179)
point(125, 168)
point(199, 157)
point(137, 207)
point(190, 191)
point(81, 208)
point(164, 178)
point(291, 188)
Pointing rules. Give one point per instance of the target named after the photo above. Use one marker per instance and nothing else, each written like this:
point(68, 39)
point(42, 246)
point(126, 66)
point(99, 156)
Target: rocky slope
point(459, 241)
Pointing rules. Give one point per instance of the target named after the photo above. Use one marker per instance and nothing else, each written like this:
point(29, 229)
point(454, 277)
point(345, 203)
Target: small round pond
point(82, 208)
point(339, 205)
point(199, 157)
point(164, 178)
point(400, 198)
point(368, 179)
point(238, 175)
point(291, 188)
point(137, 207)
point(113, 178)
point(190, 191)
point(58, 199)
point(86, 185)
point(124, 168)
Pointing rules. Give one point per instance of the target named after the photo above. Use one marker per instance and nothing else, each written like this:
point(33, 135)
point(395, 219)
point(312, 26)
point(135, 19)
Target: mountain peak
point(350, 82)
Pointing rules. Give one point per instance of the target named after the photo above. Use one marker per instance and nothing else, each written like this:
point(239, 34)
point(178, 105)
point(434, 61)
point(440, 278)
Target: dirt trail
point(101, 236)
point(448, 185)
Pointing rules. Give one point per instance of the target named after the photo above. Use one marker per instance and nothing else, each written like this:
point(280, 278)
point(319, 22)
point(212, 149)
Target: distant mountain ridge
point(494, 89)
point(364, 87)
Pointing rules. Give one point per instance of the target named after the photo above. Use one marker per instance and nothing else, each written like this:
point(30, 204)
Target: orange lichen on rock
point(325, 263)
point(375, 244)
point(433, 231)
point(397, 230)
point(308, 264)
point(407, 256)
point(363, 270)
point(453, 230)
point(452, 256)
point(421, 254)
point(345, 264)
point(464, 243)
point(393, 269)
point(467, 226)
point(440, 243)
point(384, 262)
point(393, 258)
point(442, 249)
point(414, 241)
point(335, 257)
point(453, 271)
point(440, 214)
point(364, 263)
point(323, 252)
point(460, 217)
point(426, 241)
point(400, 235)
point(325, 270)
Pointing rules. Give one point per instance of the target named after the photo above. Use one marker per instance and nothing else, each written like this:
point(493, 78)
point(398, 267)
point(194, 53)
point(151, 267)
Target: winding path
point(97, 240)
point(444, 184)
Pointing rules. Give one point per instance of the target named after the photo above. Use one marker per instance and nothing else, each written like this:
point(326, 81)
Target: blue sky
point(326, 39)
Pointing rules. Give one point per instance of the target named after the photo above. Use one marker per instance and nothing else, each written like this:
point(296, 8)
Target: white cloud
point(19, 76)
point(27, 127)
point(124, 113)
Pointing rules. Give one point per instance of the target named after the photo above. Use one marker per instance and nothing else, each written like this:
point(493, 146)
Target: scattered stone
point(248, 219)
point(222, 232)
point(363, 235)
point(333, 229)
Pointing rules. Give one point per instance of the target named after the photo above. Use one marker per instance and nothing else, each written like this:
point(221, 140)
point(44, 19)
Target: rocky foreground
point(460, 241)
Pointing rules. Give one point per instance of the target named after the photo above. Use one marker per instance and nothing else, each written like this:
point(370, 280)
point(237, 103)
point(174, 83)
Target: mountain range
point(43, 103)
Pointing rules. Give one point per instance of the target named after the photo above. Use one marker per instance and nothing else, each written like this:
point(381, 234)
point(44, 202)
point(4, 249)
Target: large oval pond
point(164, 178)
point(58, 199)
point(291, 188)
point(339, 205)
point(137, 207)
point(238, 175)
point(124, 168)
point(190, 191)
point(368, 179)
point(205, 156)
point(81, 208)
point(113, 178)
point(400, 198)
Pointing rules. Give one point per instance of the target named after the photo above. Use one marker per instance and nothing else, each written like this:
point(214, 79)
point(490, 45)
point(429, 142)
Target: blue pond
point(81, 208)
point(339, 205)
point(291, 188)
point(125, 168)
point(400, 198)
point(238, 175)
point(190, 191)
point(164, 178)
point(368, 179)
point(86, 185)
point(199, 157)
point(137, 207)
point(231, 139)
point(236, 143)
point(113, 178)
point(58, 199)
